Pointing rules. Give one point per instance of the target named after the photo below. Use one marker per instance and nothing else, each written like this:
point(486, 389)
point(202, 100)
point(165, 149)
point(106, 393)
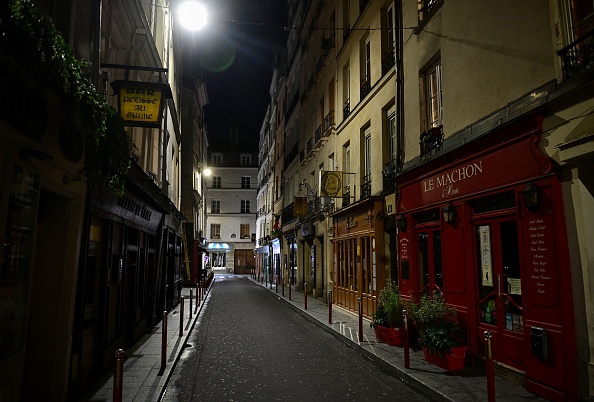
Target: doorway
point(500, 285)
point(430, 262)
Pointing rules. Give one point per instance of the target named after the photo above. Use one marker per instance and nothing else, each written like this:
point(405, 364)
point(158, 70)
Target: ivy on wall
point(31, 46)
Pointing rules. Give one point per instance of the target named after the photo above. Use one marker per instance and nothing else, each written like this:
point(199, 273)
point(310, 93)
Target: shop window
point(428, 216)
point(426, 10)
point(501, 202)
point(244, 231)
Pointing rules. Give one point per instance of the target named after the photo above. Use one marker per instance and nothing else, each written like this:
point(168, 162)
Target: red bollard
point(490, 368)
point(283, 287)
point(181, 317)
point(406, 350)
point(190, 299)
point(163, 342)
point(305, 294)
point(360, 319)
point(197, 302)
point(289, 290)
point(329, 306)
point(118, 376)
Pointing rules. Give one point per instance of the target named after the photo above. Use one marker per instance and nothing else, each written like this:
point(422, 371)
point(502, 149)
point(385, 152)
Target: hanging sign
point(331, 184)
point(300, 206)
point(140, 103)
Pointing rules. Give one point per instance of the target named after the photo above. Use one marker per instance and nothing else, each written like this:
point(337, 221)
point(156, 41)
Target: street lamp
point(192, 15)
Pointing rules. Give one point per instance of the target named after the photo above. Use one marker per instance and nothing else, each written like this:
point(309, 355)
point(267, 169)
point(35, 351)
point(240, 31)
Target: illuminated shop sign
point(140, 103)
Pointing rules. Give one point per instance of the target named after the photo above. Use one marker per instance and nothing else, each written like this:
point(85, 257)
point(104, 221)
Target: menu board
point(541, 272)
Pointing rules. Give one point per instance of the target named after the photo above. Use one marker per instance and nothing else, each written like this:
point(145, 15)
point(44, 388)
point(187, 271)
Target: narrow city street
point(250, 345)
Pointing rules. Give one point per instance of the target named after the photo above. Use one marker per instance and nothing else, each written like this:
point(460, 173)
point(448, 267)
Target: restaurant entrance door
point(499, 275)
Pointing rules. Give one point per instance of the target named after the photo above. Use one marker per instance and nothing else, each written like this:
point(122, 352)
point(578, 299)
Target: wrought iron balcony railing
point(366, 186)
point(578, 55)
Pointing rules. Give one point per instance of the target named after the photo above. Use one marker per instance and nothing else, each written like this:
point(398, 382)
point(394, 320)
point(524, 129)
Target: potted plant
point(387, 319)
point(440, 332)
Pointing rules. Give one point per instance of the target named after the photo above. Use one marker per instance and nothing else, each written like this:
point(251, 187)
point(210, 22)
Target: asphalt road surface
point(249, 345)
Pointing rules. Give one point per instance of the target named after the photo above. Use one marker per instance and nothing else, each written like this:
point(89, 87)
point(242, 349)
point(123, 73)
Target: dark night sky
point(237, 60)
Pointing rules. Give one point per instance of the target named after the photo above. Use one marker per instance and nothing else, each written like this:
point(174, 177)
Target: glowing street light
point(192, 15)
point(207, 172)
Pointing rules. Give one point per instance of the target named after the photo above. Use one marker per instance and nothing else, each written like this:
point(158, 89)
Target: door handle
point(499, 286)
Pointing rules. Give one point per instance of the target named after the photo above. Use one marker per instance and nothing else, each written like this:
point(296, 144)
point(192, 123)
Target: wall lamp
point(530, 196)
point(401, 222)
point(369, 217)
point(448, 214)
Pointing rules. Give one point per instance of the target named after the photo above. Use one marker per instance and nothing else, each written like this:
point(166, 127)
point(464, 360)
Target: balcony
point(365, 87)
point(366, 186)
point(388, 176)
point(328, 123)
point(431, 140)
point(346, 109)
point(578, 56)
point(346, 197)
point(388, 60)
point(319, 135)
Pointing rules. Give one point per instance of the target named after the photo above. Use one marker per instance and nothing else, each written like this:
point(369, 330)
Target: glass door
point(500, 288)
point(430, 262)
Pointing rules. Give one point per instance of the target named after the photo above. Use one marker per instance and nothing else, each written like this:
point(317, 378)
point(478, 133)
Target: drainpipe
point(399, 86)
point(96, 34)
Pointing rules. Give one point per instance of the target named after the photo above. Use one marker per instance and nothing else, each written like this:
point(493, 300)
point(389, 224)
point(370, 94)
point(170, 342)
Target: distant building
point(231, 205)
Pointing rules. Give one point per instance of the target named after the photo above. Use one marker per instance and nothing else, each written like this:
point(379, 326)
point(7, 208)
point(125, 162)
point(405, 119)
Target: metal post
point(200, 290)
point(406, 350)
point(283, 286)
point(164, 342)
point(490, 368)
point(181, 317)
point(360, 319)
point(289, 289)
point(329, 306)
point(191, 298)
point(118, 375)
point(197, 302)
point(305, 294)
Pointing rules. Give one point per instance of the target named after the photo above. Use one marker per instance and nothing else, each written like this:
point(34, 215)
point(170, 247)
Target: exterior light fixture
point(448, 214)
point(401, 223)
point(192, 15)
point(530, 196)
point(369, 217)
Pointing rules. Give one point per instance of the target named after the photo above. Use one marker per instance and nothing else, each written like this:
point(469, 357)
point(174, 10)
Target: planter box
point(453, 361)
point(390, 336)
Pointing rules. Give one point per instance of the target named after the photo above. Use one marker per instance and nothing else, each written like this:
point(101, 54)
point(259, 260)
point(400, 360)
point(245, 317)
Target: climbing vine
point(31, 45)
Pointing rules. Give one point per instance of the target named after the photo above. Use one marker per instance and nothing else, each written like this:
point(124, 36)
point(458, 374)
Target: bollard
point(329, 306)
point(118, 375)
point(200, 289)
point(181, 317)
point(197, 302)
point(191, 298)
point(164, 342)
point(360, 319)
point(490, 368)
point(305, 294)
point(406, 351)
point(289, 290)
point(276, 284)
point(283, 287)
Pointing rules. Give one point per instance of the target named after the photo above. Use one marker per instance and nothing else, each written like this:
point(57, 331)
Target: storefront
point(485, 226)
point(361, 268)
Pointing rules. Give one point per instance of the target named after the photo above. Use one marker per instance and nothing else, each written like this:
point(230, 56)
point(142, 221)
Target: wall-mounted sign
point(331, 184)
point(300, 206)
point(140, 103)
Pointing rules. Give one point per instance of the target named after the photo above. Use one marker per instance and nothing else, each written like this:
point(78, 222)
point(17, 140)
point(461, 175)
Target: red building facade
point(473, 233)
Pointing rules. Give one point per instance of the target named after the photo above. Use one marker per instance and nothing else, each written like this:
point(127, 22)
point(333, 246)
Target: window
point(245, 181)
point(388, 40)
point(244, 231)
point(215, 231)
point(366, 69)
point(245, 206)
point(433, 87)
point(427, 8)
point(215, 207)
point(346, 90)
point(366, 182)
point(577, 27)
point(346, 19)
point(391, 134)
point(246, 159)
point(217, 159)
point(216, 182)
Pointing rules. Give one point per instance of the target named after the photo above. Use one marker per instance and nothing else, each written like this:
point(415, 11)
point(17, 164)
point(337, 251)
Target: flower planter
point(453, 361)
point(390, 336)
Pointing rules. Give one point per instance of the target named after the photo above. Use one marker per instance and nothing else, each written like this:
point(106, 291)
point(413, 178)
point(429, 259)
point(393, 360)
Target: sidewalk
point(439, 385)
point(143, 382)
point(142, 378)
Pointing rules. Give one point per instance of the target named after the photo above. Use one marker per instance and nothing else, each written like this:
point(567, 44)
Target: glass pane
point(437, 263)
point(423, 259)
point(512, 283)
point(486, 285)
point(23, 196)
